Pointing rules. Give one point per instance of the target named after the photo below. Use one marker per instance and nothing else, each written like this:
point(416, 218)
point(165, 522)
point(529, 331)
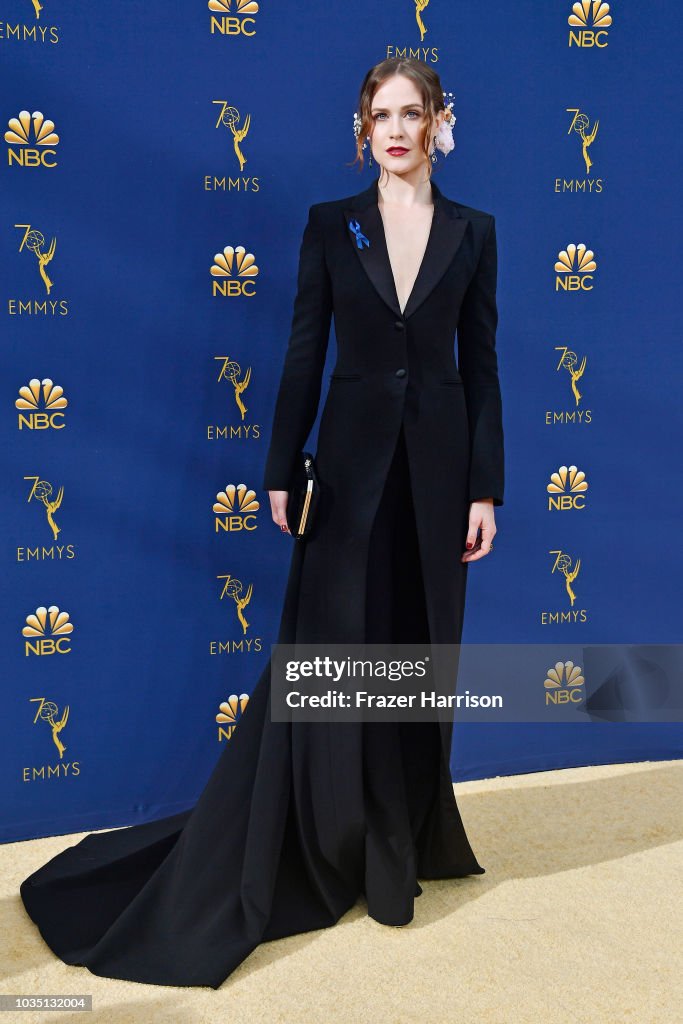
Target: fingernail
point(469, 544)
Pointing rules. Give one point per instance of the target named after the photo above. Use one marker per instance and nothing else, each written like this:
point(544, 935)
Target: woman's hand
point(278, 506)
point(481, 518)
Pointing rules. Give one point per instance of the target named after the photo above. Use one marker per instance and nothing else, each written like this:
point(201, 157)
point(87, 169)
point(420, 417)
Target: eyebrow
point(406, 106)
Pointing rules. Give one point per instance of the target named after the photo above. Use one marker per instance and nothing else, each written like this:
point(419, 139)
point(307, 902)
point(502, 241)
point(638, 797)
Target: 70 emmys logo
point(44, 136)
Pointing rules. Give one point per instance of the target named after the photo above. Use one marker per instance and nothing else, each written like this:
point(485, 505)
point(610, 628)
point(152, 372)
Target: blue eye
point(416, 113)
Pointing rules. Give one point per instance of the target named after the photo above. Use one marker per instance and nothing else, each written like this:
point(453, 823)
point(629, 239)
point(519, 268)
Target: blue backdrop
point(120, 633)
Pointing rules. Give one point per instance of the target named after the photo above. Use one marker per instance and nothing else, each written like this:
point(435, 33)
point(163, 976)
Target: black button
point(400, 373)
point(399, 325)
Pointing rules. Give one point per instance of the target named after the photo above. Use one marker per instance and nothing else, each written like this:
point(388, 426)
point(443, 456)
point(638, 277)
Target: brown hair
point(428, 84)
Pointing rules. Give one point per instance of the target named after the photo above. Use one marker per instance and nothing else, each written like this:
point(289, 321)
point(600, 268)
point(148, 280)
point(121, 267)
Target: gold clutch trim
point(307, 502)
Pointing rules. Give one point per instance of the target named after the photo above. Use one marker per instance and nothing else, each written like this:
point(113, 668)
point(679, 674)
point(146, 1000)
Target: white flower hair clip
point(444, 136)
point(357, 124)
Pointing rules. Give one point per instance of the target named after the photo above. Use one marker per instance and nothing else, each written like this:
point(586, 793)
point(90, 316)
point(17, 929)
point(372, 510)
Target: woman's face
point(398, 122)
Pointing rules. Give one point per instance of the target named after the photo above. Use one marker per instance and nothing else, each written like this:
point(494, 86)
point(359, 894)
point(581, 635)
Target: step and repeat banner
point(158, 165)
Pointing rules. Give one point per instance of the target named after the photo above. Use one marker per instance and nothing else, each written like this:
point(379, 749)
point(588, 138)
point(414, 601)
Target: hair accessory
point(444, 137)
point(360, 237)
point(357, 123)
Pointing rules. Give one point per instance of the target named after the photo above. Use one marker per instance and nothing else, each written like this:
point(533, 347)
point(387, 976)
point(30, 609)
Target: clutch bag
point(303, 497)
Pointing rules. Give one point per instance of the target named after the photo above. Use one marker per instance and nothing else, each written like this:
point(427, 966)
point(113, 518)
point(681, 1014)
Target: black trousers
point(395, 606)
point(396, 612)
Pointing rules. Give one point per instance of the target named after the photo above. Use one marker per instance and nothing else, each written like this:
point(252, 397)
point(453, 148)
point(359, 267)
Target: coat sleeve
point(478, 365)
point(298, 396)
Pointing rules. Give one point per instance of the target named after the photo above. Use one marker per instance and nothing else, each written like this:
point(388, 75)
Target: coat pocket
point(345, 376)
point(453, 382)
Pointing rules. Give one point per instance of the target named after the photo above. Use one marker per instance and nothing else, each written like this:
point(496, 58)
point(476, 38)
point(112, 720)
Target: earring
point(434, 151)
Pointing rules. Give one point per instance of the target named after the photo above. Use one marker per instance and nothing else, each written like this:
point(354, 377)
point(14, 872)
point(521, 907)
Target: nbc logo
point(47, 630)
point(564, 684)
point(235, 508)
point(233, 271)
point(233, 17)
point(35, 137)
point(567, 488)
point(40, 404)
point(230, 711)
point(574, 269)
point(588, 24)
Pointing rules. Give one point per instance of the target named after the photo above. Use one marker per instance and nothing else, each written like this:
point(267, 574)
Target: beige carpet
point(578, 920)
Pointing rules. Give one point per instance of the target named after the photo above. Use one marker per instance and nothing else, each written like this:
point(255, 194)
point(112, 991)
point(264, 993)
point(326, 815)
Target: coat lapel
point(447, 232)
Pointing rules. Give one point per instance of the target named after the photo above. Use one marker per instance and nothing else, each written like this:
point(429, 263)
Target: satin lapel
point(446, 234)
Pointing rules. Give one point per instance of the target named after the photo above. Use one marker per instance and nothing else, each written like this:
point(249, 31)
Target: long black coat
point(298, 819)
point(391, 368)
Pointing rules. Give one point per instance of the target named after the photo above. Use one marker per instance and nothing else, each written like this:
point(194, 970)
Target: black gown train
point(296, 823)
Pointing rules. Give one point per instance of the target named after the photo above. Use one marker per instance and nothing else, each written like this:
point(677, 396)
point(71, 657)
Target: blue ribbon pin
point(360, 237)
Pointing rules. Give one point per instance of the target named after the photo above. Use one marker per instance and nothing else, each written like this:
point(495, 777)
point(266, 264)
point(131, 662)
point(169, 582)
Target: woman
point(298, 821)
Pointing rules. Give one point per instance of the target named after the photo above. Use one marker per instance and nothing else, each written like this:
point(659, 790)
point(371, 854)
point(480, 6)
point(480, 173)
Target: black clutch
point(303, 497)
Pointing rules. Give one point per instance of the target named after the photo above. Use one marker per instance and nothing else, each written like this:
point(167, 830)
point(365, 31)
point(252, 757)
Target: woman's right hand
point(278, 506)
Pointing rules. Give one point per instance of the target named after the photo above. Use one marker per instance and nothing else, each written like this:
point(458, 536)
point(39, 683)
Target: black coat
point(391, 368)
point(298, 819)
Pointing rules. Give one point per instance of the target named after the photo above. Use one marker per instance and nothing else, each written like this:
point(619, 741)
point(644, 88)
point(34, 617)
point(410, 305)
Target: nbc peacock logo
point(233, 271)
point(567, 489)
point(574, 269)
point(233, 17)
point(588, 24)
point(235, 509)
point(47, 631)
point(31, 140)
point(564, 684)
point(41, 405)
point(229, 713)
